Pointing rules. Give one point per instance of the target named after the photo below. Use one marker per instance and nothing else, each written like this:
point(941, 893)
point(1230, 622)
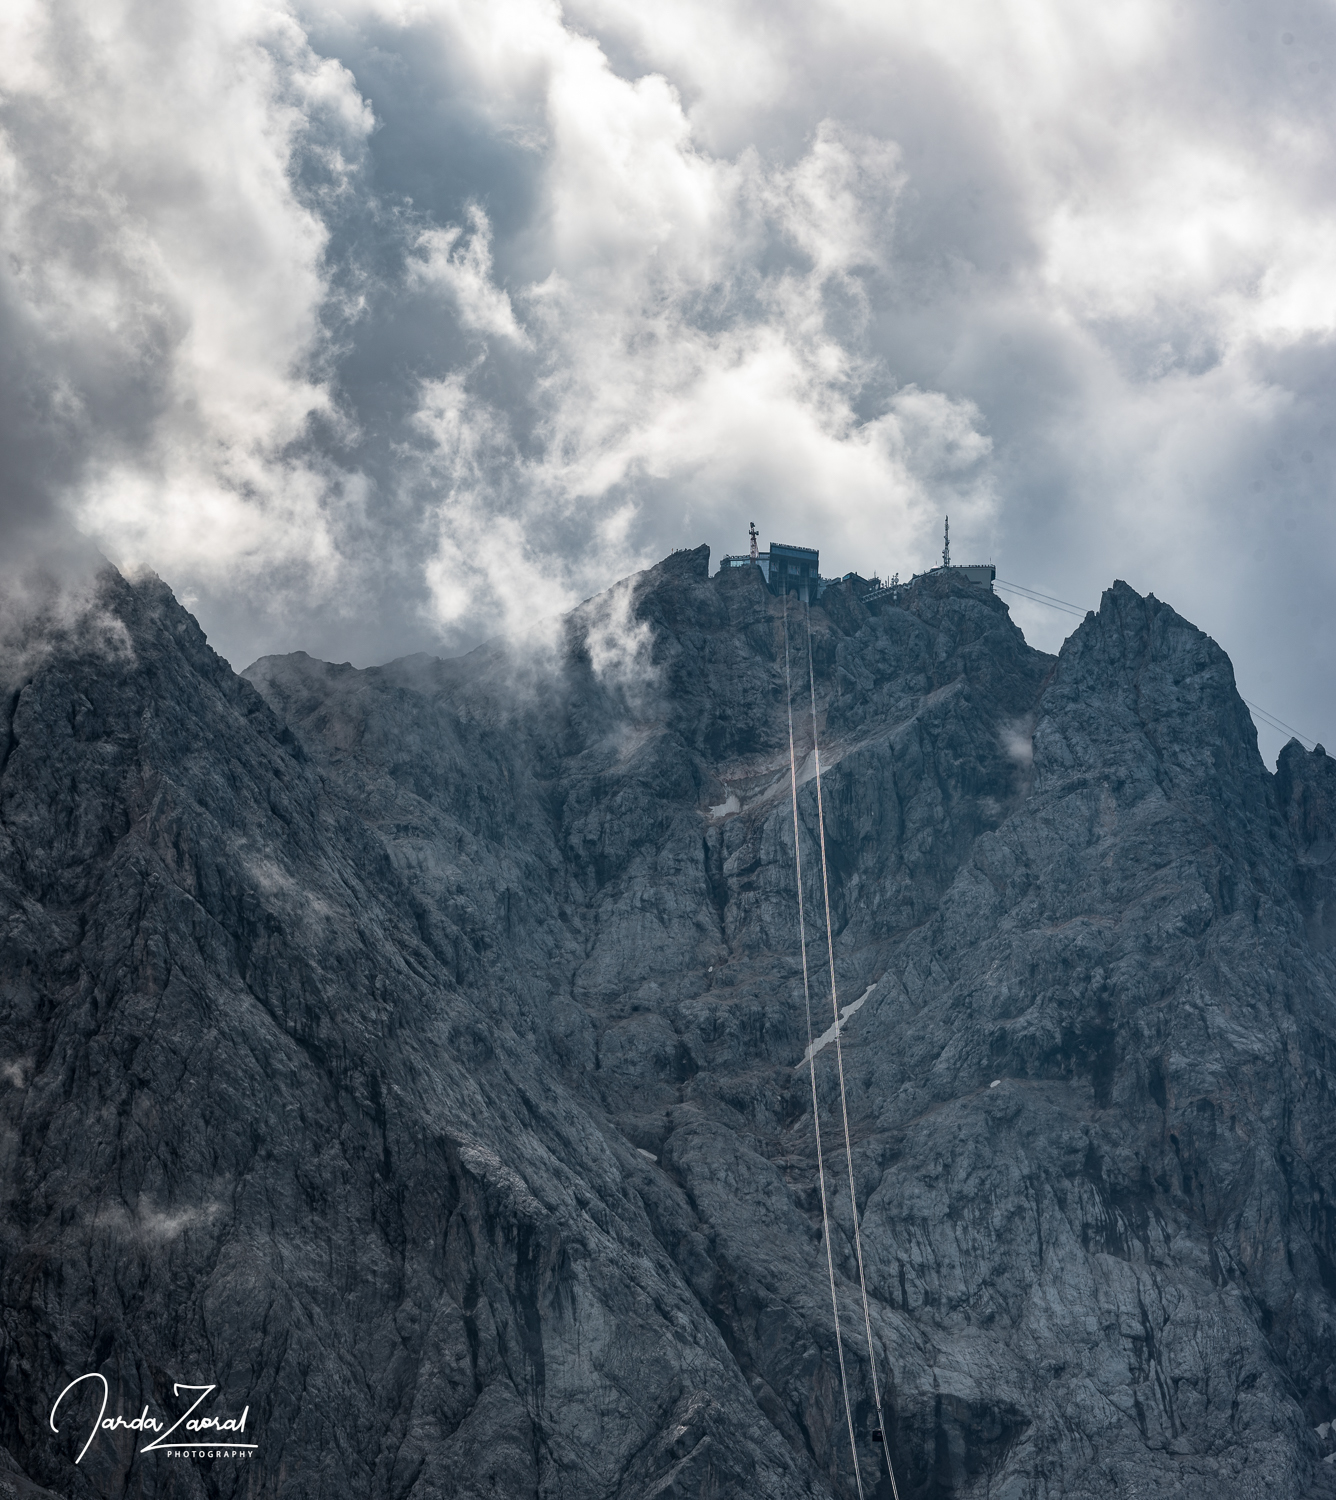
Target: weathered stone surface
point(417, 1053)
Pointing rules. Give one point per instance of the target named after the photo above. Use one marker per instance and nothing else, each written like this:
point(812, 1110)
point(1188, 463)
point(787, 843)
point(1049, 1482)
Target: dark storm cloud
point(386, 327)
point(39, 451)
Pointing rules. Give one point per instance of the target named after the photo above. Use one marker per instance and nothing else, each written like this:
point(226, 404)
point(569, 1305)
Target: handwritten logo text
point(195, 1427)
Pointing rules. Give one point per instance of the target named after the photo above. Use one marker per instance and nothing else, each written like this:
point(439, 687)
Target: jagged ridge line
point(839, 1062)
point(816, 1116)
point(1035, 597)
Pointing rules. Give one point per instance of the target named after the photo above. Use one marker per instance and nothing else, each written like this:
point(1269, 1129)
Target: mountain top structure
point(416, 1055)
point(789, 569)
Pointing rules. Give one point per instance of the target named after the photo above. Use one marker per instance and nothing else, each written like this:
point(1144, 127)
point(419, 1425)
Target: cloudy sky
point(380, 327)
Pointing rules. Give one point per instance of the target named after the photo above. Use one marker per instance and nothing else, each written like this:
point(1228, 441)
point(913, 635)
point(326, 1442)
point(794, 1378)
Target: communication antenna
point(946, 544)
point(751, 526)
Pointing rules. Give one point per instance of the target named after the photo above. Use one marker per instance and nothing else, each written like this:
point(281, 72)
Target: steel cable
point(839, 1055)
point(816, 1117)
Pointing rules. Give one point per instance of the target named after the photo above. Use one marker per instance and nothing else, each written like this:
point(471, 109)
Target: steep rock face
point(1306, 791)
point(418, 1053)
point(258, 1135)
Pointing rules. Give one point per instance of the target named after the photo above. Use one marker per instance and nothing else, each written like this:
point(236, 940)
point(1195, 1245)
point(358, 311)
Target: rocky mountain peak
point(417, 1054)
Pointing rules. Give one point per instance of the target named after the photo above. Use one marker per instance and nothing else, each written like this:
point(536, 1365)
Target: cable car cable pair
point(877, 1435)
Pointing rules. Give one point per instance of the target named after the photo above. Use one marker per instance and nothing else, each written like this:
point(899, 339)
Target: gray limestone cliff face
point(417, 1054)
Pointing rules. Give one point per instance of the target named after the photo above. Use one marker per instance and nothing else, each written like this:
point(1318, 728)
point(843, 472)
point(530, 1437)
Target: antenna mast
point(751, 526)
point(946, 544)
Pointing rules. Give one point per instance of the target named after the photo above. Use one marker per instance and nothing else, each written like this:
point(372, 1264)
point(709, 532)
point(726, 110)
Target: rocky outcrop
point(416, 1054)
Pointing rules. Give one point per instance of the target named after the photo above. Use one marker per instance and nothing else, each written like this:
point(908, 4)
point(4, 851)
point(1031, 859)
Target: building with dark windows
point(793, 570)
point(786, 569)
